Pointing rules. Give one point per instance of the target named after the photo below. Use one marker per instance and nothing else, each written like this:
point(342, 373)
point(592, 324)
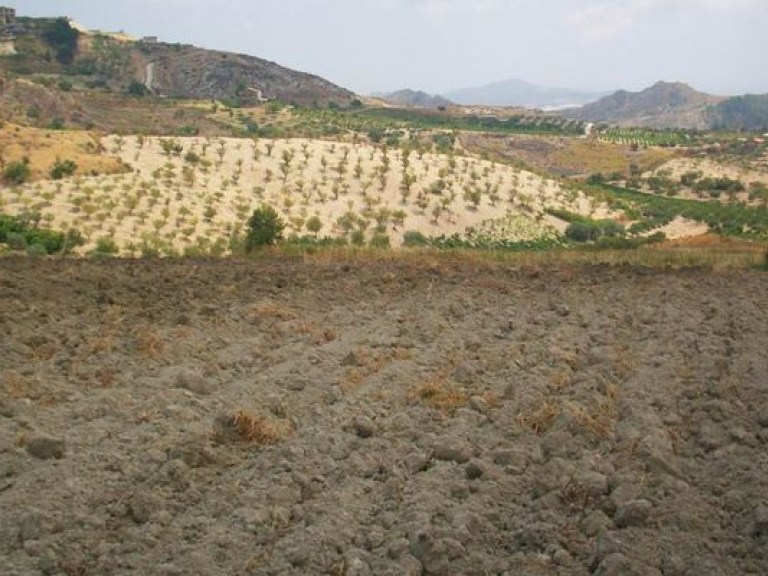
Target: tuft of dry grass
point(599, 421)
point(269, 309)
point(438, 392)
point(253, 428)
point(539, 419)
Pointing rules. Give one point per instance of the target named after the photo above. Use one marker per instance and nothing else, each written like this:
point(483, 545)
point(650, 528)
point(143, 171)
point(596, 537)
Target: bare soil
point(410, 417)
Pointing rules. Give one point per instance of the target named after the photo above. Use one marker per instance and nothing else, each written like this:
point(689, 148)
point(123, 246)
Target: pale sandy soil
point(682, 228)
point(170, 201)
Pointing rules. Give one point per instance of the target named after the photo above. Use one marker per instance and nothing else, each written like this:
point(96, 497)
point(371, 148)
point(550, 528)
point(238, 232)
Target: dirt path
point(150, 77)
point(422, 418)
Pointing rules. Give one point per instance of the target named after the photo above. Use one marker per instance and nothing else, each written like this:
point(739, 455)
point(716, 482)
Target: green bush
point(63, 168)
point(357, 238)
point(265, 228)
point(16, 173)
point(379, 241)
point(106, 246)
point(414, 238)
point(60, 36)
point(16, 241)
point(37, 250)
point(136, 88)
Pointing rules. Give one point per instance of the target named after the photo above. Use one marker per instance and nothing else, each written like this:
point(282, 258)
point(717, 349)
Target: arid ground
point(411, 416)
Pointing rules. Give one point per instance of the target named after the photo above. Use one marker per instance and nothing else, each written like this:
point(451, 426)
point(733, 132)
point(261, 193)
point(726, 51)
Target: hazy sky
point(718, 46)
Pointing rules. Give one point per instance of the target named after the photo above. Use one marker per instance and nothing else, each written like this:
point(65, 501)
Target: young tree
point(314, 225)
point(265, 228)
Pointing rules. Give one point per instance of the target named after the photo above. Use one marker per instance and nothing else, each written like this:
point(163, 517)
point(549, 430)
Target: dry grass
point(148, 342)
point(44, 147)
point(268, 309)
point(352, 380)
point(438, 392)
point(256, 429)
point(599, 421)
point(588, 156)
point(666, 256)
point(539, 419)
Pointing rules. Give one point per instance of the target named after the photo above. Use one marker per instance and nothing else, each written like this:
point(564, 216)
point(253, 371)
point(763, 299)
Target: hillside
point(517, 92)
point(415, 98)
point(190, 72)
point(749, 112)
point(53, 50)
point(191, 195)
point(663, 105)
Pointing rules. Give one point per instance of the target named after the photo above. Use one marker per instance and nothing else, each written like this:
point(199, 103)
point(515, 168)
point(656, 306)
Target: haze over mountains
point(516, 92)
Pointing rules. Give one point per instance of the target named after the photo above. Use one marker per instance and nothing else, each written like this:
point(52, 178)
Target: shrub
point(16, 172)
point(106, 246)
point(265, 227)
point(357, 238)
point(587, 230)
point(37, 250)
point(63, 168)
point(314, 225)
point(16, 241)
point(414, 238)
point(379, 241)
point(65, 85)
point(136, 88)
point(72, 239)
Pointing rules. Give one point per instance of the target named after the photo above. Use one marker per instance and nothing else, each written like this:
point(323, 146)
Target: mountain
point(517, 92)
point(415, 98)
point(49, 47)
point(749, 112)
point(663, 105)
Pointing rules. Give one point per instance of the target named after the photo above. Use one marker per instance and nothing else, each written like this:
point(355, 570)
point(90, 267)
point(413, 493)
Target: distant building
point(149, 39)
point(7, 16)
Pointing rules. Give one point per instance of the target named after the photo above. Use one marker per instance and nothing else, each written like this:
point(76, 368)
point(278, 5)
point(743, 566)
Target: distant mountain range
point(677, 105)
point(516, 92)
point(415, 98)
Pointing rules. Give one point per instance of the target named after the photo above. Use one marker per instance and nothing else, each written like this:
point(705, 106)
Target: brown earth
point(420, 416)
point(564, 156)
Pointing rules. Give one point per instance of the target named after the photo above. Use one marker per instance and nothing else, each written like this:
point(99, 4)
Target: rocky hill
point(748, 112)
point(415, 98)
point(45, 49)
point(663, 105)
point(191, 72)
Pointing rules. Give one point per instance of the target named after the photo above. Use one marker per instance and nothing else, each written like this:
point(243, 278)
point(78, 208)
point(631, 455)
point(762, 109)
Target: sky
point(717, 46)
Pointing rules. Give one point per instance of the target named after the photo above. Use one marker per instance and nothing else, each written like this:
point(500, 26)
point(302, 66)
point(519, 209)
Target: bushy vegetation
point(23, 232)
point(586, 229)
point(62, 38)
point(727, 219)
point(645, 137)
point(459, 241)
point(16, 173)
point(390, 125)
point(265, 228)
point(63, 168)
